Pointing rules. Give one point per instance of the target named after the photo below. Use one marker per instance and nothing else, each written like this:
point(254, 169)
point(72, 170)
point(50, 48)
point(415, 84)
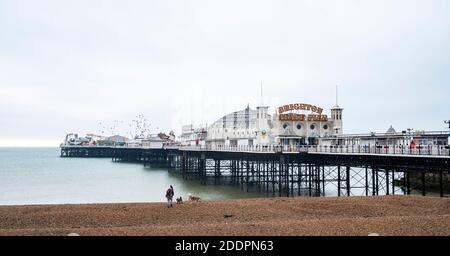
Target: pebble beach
point(331, 216)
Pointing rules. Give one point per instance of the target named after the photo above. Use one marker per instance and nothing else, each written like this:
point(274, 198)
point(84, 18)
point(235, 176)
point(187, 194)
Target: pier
point(296, 171)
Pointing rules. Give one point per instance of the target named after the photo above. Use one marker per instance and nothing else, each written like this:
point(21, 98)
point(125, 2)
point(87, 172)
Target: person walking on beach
point(169, 196)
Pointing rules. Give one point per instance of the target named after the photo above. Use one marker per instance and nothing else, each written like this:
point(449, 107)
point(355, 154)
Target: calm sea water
point(40, 176)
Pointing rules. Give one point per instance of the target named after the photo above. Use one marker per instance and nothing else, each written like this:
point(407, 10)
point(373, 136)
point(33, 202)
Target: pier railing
point(436, 150)
point(420, 150)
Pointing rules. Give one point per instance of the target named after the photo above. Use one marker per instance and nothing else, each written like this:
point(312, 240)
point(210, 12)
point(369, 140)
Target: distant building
point(167, 139)
point(191, 136)
point(151, 141)
point(118, 140)
point(391, 138)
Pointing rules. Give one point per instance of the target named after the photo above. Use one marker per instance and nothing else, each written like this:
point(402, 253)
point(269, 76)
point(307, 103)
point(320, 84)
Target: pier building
point(191, 136)
point(292, 124)
point(391, 138)
point(299, 124)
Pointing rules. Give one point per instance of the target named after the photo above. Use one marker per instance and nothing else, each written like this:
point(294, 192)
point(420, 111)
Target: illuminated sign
point(301, 117)
point(300, 106)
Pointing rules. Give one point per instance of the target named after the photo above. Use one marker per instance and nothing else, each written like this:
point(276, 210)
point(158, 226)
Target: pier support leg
point(299, 177)
point(318, 180)
point(310, 179)
point(219, 174)
point(393, 183)
point(233, 172)
point(323, 180)
point(280, 171)
point(423, 183)
point(273, 177)
point(367, 182)
point(183, 166)
point(286, 178)
point(241, 173)
point(247, 167)
point(387, 182)
point(377, 184)
point(339, 180)
point(373, 181)
point(266, 177)
point(292, 180)
point(348, 180)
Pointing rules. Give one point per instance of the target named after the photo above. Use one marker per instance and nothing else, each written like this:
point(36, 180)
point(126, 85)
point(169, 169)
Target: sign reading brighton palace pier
point(301, 117)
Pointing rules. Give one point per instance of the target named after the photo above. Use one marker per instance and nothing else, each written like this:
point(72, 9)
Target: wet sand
point(384, 215)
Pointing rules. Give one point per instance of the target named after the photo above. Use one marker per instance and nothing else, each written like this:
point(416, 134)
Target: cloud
point(68, 65)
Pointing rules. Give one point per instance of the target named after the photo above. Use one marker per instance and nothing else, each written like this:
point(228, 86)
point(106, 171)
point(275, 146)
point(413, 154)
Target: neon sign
point(301, 117)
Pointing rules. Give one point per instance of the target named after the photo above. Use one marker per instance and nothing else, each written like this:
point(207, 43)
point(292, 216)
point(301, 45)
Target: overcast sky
point(65, 66)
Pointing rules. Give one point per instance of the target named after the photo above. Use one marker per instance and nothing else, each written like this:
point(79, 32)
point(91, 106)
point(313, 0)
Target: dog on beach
point(179, 200)
point(192, 198)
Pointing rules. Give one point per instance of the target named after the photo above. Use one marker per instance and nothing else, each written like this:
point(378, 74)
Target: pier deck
point(289, 172)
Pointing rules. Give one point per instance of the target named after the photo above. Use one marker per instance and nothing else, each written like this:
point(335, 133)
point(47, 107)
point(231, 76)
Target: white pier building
point(298, 124)
point(292, 124)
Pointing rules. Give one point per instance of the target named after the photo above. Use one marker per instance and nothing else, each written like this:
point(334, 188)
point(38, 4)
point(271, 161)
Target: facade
point(239, 128)
point(191, 136)
point(151, 141)
point(305, 124)
point(167, 139)
point(72, 139)
point(292, 124)
point(297, 125)
point(392, 138)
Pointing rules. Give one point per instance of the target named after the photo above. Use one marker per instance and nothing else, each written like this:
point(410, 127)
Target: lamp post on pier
point(410, 141)
point(409, 133)
point(448, 136)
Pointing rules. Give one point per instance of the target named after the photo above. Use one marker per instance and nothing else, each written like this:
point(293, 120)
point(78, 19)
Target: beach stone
point(325, 216)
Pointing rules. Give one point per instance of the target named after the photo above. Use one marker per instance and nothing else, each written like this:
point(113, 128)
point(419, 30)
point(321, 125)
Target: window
point(285, 126)
point(325, 127)
point(312, 127)
point(299, 126)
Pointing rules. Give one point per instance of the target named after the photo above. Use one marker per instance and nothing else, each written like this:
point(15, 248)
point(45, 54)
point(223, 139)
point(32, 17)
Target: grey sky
point(67, 65)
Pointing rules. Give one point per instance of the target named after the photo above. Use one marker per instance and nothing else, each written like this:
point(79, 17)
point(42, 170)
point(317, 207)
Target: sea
point(40, 176)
